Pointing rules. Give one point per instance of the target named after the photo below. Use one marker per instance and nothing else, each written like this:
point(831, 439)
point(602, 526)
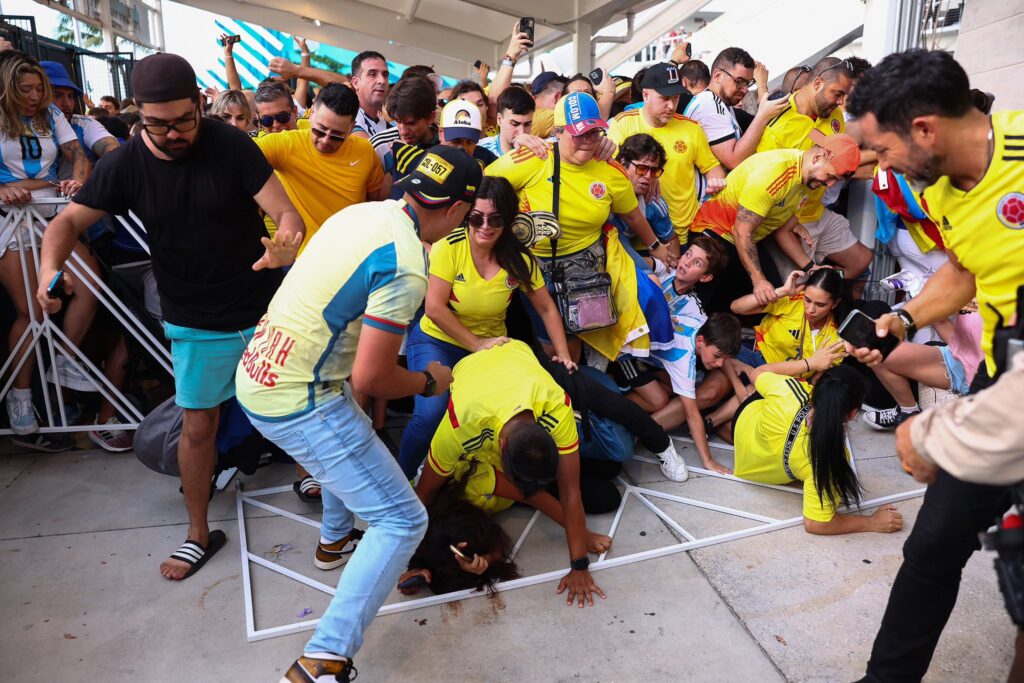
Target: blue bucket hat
point(58, 76)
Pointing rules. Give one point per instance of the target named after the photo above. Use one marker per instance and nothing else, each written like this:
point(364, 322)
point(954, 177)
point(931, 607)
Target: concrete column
point(581, 45)
point(991, 51)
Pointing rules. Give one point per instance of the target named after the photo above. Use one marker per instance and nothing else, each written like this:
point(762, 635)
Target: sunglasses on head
point(318, 134)
point(280, 117)
point(644, 169)
point(477, 219)
point(846, 64)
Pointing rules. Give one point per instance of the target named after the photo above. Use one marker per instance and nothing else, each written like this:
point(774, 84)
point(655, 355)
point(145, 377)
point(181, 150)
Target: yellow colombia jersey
point(479, 304)
point(790, 130)
point(985, 226)
point(543, 122)
point(769, 184)
point(784, 333)
point(365, 266)
point(588, 194)
point(686, 147)
point(760, 439)
point(320, 185)
point(489, 388)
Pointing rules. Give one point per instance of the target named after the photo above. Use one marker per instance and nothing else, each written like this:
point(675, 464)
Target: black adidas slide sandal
point(195, 555)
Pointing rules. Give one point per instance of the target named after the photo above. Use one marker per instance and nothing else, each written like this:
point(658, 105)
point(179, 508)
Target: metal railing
point(43, 339)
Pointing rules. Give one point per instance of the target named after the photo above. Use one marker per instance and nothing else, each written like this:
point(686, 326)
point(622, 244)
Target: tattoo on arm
point(745, 239)
point(105, 145)
point(79, 165)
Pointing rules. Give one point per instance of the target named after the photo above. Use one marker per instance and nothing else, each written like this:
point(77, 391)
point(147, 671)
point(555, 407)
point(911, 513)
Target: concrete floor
point(84, 532)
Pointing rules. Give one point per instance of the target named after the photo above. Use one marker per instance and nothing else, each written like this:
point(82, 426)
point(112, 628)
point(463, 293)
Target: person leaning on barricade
point(215, 267)
point(30, 146)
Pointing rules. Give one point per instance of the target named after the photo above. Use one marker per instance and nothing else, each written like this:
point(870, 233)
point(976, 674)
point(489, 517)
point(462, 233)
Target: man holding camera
point(916, 112)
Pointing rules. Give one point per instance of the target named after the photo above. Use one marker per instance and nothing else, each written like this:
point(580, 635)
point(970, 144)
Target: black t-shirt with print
point(203, 224)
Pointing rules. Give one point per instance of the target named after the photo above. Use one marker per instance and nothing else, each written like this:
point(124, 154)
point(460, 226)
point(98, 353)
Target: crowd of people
point(555, 271)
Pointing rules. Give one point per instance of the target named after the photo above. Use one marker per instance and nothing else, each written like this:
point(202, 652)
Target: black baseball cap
point(664, 79)
point(163, 77)
point(444, 175)
point(543, 79)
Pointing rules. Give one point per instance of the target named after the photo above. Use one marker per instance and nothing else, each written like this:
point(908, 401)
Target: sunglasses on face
point(318, 134)
point(740, 82)
point(643, 169)
point(492, 220)
point(280, 117)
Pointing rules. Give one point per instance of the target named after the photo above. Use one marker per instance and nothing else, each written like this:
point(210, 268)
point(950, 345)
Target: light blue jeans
point(358, 475)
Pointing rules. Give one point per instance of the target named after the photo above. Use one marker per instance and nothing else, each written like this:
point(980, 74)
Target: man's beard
point(925, 171)
point(176, 152)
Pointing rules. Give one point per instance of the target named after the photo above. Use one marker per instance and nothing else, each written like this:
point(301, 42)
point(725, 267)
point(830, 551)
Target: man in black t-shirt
point(197, 185)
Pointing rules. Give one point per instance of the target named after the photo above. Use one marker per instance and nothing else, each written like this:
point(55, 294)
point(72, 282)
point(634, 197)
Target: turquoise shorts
point(204, 364)
point(958, 383)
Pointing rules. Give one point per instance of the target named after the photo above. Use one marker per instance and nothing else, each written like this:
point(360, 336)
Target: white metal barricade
point(43, 338)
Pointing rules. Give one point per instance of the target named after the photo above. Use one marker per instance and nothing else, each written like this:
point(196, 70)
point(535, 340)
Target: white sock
point(21, 394)
point(325, 655)
point(911, 409)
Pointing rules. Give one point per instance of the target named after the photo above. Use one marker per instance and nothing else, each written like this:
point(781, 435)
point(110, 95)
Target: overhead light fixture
point(315, 22)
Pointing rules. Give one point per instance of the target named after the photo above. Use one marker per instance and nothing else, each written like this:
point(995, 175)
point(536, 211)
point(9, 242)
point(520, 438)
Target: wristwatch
point(580, 564)
point(654, 245)
point(810, 264)
point(507, 61)
point(909, 326)
point(431, 387)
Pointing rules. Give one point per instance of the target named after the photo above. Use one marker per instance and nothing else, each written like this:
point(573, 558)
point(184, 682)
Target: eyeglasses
point(740, 82)
point(643, 169)
point(846, 64)
point(478, 219)
point(280, 117)
point(318, 134)
point(590, 136)
point(183, 126)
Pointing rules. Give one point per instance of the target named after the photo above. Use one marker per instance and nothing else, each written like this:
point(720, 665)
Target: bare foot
point(174, 569)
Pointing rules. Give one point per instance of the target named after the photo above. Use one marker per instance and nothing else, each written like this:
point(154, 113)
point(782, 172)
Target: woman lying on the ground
point(798, 331)
point(951, 367)
point(784, 433)
point(486, 550)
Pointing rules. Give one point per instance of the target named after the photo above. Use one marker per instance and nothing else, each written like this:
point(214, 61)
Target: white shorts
point(831, 234)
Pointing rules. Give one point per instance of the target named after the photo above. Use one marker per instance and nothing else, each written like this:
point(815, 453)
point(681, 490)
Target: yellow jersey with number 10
point(984, 227)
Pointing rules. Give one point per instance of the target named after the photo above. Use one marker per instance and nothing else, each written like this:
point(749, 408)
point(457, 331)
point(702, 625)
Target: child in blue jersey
point(694, 356)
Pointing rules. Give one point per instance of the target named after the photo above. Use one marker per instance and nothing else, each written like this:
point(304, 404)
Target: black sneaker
point(888, 419)
point(44, 443)
point(311, 670)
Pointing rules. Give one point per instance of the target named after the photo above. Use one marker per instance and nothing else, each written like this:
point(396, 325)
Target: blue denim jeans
point(427, 411)
point(358, 475)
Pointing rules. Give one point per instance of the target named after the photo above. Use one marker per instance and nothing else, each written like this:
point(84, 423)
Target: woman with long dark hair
point(474, 272)
point(785, 433)
point(798, 333)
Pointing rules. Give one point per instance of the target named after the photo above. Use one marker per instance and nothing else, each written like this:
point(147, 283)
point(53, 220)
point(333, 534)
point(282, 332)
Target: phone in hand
point(56, 286)
point(859, 330)
point(476, 64)
point(689, 50)
point(417, 581)
point(230, 40)
point(777, 95)
point(596, 76)
point(526, 25)
point(460, 553)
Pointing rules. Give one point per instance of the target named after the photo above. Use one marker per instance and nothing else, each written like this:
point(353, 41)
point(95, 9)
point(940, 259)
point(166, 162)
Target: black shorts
point(629, 373)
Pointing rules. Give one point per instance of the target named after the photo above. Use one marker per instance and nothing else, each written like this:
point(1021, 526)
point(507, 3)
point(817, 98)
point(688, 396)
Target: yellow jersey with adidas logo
point(488, 389)
point(790, 130)
point(784, 333)
point(984, 227)
point(478, 303)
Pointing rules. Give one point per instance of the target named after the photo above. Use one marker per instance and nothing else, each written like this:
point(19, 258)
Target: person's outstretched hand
point(280, 251)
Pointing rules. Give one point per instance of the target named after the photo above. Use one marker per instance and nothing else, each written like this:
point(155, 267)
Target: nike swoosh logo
point(353, 163)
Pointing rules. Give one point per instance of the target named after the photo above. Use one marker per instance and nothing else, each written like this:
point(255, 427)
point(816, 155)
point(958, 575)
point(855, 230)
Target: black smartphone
point(777, 95)
point(596, 76)
point(224, 42)
point(689, 50)
point(476, 64)
point(859, 330)
point(526, 26)
point(418, 581)
point(56, 286)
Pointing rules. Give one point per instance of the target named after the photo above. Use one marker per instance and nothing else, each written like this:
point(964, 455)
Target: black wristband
point(654, 245)
point(909, 326)
point(431, 386)
point(580, 564)
point(810, 264)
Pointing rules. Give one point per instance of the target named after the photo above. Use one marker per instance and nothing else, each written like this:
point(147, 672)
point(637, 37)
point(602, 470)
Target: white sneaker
point(21, 414)
point(69, 376)
point(672, 465)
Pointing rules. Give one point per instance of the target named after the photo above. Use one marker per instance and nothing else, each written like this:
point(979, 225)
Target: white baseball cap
point(461, 119)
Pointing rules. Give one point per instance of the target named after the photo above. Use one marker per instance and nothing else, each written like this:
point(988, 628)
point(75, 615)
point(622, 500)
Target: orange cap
point(844, 150)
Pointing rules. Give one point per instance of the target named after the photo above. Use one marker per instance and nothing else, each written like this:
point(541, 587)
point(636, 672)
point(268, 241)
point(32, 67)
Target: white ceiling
point(449, 34)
